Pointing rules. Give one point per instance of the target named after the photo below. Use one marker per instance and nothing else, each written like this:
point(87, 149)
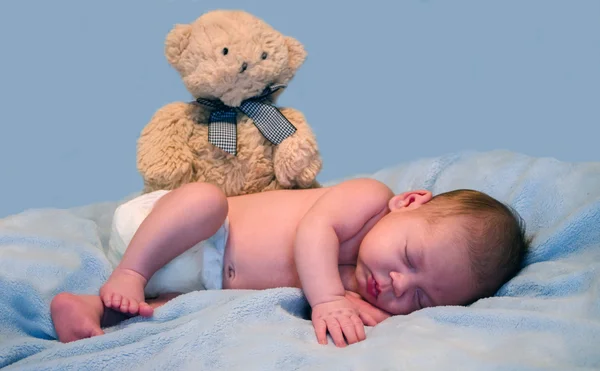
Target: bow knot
point(272, 124)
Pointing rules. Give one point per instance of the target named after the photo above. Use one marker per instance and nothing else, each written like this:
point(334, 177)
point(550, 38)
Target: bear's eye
point(225, 51)
point(264, 55)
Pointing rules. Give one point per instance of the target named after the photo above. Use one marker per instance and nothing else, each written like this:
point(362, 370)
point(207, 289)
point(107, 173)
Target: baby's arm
point(336, 217)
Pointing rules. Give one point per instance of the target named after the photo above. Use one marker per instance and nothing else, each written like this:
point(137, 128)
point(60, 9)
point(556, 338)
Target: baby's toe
point(91, 331)
point(116, 301)
point(133, 307)
point(107, 300)
point(124, 305)
point(146, 310)
point(96, 331)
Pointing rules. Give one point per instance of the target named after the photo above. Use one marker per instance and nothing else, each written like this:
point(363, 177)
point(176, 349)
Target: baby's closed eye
point(419, 298)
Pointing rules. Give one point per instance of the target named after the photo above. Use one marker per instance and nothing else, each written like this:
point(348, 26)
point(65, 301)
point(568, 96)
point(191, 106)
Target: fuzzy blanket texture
point(546, 318)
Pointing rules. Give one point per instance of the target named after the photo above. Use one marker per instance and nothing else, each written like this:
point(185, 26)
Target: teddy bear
point(232, 135)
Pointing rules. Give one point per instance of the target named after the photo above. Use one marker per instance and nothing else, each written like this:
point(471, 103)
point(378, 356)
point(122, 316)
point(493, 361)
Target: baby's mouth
point(373, 287)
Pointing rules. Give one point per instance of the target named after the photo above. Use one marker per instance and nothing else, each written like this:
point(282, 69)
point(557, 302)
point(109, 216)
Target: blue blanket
point(546, 318)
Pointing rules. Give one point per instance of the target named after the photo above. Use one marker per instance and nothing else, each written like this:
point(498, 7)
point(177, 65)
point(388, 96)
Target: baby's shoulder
point(361, 199)
point(365, 187)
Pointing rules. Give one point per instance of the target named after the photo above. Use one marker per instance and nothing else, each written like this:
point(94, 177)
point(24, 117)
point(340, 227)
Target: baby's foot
point(76, 317)
point(124, 292)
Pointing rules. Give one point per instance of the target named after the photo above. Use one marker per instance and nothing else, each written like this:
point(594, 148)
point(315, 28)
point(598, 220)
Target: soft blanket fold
point(546, 318)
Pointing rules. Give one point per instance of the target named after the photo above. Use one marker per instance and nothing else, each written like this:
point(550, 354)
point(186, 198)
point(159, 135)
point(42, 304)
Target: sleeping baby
point(359, 253)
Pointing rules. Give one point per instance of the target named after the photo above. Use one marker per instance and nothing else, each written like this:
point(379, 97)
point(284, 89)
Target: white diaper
point(199, 268)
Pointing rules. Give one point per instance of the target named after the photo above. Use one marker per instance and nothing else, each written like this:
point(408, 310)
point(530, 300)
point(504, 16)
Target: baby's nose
point(398, 283)
point(244, 67)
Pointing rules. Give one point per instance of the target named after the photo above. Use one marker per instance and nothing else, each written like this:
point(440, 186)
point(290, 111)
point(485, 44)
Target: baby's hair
point(494, 232)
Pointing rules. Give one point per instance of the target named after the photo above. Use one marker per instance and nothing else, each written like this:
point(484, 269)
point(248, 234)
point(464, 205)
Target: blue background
point(384, 82)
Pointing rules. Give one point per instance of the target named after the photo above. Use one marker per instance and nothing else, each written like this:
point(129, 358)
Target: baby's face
point(404, 265)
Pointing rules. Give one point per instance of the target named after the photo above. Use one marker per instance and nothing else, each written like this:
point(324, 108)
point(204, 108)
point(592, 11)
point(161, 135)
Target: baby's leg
point(178, 221)
point(78, 317)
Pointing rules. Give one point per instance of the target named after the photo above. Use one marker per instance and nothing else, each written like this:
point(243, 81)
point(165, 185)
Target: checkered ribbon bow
point(222, 131)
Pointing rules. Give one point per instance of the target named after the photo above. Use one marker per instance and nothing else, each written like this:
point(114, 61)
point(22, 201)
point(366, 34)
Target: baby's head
point(494, 234)
point(451, 249)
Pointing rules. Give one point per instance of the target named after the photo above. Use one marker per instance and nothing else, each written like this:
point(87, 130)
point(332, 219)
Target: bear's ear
point(296, 53)
point(177, 40)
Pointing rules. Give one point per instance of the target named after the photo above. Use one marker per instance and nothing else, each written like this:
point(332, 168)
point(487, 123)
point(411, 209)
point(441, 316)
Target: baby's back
point(259, 252)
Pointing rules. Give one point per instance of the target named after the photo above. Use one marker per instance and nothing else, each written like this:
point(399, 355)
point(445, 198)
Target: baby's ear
point(176, 42)
point(296, 53)
point(409, 200)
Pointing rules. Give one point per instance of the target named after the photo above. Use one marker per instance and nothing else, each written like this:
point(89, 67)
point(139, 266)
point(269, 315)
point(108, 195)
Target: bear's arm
point(297, 160)
point(164, 157)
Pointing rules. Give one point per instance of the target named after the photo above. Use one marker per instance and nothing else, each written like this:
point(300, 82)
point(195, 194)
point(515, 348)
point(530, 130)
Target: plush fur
point(173, 149)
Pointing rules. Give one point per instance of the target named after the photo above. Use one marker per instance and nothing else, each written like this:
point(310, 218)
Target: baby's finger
point(359, 328)
point(349, 330)
point(320, 330)
point(335, 331)
point(353, 294)
point(367, 319)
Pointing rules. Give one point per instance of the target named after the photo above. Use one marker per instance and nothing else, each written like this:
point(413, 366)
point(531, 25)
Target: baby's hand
point(341, 318)
point(369, 314)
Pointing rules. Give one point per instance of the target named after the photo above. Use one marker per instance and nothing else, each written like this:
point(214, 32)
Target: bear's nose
point(244, 67)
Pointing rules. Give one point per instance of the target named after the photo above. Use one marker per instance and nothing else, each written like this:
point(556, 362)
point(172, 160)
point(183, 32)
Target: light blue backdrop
point(384, 82)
